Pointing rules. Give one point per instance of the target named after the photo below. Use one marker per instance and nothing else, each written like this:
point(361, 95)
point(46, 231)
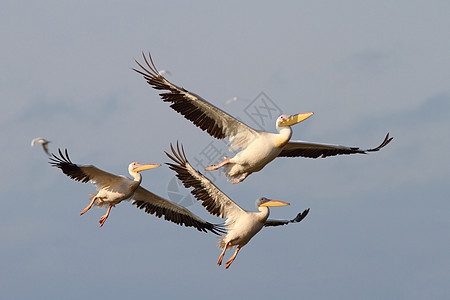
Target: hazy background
point(379, 223)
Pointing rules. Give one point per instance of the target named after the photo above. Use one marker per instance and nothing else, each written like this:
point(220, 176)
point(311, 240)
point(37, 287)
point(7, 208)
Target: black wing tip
point(70, 169)
point(177, 97)
point(150, 71)
point(217, 229)
point(383, 144)
point(300, 216)
point(189, 177)
point(58, 161)
point(178, 155)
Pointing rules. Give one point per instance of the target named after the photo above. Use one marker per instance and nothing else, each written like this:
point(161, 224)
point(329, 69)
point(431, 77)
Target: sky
point(378, 225)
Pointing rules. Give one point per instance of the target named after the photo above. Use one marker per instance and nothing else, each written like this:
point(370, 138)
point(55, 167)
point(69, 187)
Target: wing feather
point(84, 173)
point(158, 206)
point(203, 114)
point(315, 150)
point(213, 199)
point(297, 219)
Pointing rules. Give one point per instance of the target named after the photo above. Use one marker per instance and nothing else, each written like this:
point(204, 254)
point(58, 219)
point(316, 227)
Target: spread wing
point(315, 150)
point(84, 174)
point(155, 205)
point(297, 219)
point(213, 199)
point(203, 114)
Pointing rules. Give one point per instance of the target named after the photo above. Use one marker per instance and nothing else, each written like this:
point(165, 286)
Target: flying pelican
point(43, 142)
point(258, 148)
point(113, 189)
point(241, 225)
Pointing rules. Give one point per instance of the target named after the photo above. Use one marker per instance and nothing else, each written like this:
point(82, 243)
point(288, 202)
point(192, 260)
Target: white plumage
point(113, 189)
point(258, 148)
point(241, 225)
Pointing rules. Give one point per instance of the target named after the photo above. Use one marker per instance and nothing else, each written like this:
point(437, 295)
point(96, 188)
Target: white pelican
point(258, 148)
point(43, 142)
point(241, 225)
point(113, 189)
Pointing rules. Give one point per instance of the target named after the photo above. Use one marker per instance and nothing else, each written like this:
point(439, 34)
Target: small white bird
point(43, 142)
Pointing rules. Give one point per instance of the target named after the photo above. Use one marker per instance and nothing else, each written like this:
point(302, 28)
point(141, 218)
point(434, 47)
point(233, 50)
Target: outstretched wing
point(315, 150)
point(99, 178)
point(155, 205)
point(203, 114)
point(213, 199)
point(297, 219)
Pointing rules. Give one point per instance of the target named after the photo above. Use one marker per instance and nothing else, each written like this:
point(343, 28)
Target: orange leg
point(89, 206)
point(105, 216)
point(244, 175)
point(232, 258)
point(219, 165)
point(219, 262)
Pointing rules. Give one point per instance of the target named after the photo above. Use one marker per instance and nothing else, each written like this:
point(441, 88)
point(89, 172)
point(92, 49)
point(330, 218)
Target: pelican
point(113, 189)
point(43, 142)
point(258, 148)
point(235, 99)
point(241, 225)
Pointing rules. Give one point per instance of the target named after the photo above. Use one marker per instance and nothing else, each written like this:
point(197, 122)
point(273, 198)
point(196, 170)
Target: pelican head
point(269, 202)
point(289, 120)
point(136, 167)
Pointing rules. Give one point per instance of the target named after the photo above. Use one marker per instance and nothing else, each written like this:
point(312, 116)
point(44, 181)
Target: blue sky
point(378, 225)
